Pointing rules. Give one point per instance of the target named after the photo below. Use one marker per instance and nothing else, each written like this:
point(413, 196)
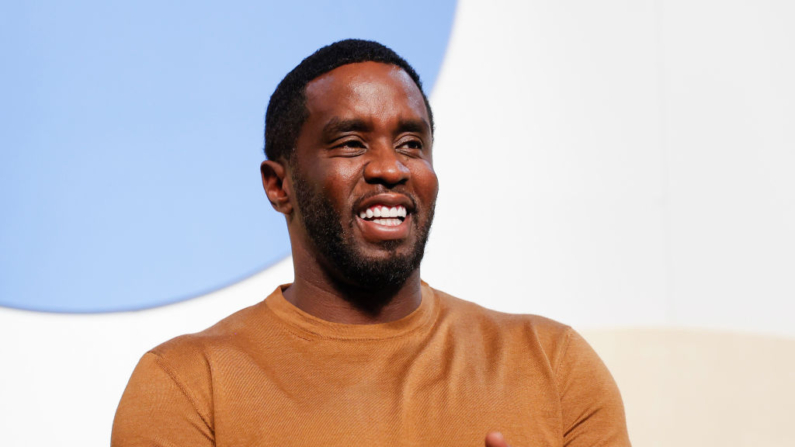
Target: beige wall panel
point(694, 388)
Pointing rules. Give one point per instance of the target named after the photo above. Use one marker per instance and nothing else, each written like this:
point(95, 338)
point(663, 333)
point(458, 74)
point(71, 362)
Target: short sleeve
point(593, 413)
point(157, 409)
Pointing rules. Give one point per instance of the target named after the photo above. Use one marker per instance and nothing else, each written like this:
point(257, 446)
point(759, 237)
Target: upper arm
point(593, 413)
point(158, 409)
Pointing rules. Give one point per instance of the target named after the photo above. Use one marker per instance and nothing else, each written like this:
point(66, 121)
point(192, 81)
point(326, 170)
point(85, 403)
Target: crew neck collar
point(314, 327)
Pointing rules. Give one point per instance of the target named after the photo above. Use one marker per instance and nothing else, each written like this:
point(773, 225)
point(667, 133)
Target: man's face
point(364, 182)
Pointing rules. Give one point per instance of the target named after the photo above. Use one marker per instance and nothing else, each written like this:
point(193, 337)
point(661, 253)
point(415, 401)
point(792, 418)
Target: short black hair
point(287, 107)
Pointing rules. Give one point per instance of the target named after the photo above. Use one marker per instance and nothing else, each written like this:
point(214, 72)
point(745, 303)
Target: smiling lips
point(384, 215)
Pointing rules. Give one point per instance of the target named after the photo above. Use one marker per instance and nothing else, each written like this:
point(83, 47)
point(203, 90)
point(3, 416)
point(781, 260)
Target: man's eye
point(351, 144)
point(413, 145)
point(348, 148)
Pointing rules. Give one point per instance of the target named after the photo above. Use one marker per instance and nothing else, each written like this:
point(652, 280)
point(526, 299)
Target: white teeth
point(387, 222)
point(383, 211)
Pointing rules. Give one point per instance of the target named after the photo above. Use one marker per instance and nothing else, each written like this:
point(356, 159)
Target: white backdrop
point(620, 162)
point(613, 164)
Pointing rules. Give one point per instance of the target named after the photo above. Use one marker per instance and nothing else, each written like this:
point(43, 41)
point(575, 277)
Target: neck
point(318, 293)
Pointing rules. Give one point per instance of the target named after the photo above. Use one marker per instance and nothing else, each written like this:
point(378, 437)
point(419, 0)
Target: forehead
point(367, 89)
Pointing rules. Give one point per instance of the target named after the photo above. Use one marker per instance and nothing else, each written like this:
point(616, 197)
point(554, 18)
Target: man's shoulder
point(550, 334)
point(227, 334)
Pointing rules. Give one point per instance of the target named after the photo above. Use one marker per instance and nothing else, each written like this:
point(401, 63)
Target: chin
point(384, 268)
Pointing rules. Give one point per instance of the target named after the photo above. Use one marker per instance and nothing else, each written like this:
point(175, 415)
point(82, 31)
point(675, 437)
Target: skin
point(389, 155)
point(496, 439)
point(386, 157)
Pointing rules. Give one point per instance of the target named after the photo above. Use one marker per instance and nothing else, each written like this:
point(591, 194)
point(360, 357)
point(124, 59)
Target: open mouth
point(384, 215)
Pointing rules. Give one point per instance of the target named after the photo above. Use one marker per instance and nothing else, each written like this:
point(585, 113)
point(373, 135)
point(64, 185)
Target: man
point(358, 350)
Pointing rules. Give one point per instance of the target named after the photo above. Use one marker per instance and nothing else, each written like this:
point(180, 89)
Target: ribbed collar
point(317, 328)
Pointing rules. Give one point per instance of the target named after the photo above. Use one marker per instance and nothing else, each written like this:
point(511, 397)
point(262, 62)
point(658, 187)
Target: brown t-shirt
point(445, 375)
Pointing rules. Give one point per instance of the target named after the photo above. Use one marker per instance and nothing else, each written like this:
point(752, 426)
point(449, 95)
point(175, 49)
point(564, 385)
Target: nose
point(386, 167)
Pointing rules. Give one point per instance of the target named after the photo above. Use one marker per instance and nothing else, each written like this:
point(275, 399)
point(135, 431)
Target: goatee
point(332, 234)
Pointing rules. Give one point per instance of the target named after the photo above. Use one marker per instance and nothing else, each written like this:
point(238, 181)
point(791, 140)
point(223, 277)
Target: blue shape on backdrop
point(132, 137)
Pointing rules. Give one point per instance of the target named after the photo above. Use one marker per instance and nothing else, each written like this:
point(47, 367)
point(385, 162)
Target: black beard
point(374, 281)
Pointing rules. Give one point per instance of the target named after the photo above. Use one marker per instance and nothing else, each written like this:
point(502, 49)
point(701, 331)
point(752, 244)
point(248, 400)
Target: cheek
point(425, 181)
point(339, 181)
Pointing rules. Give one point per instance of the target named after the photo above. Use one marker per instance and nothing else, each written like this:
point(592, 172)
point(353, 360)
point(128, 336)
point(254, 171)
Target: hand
point(496, 439)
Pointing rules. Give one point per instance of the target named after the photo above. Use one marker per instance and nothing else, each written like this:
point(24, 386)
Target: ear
point(277, 186)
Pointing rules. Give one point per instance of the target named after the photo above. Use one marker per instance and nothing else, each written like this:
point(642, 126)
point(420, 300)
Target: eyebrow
point(414, 125)
point(338, 125)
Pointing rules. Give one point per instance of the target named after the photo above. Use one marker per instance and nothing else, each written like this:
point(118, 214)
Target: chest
point(448, 397)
